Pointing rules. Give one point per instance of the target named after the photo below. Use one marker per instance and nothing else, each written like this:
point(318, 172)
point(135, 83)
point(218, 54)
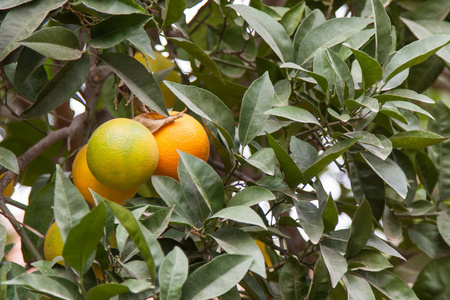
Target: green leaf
point(410, 106)
point(443, 223)
point(257, 100)
point(172, 274)
point(109, 290)
point(321, 80)
point(360, 229)
point(170, 191)
point(371, 69)
point(236, 241)
point(292, 17)
point(113, 30)
point(303, 154)
point(384, 41)
point(242, 214)
point(389, 284)
point(57, 287)
point(293, 283)
point(330, 215)
point(335, 263)
point(392, 227)
point(199, 180)
point(294, 113)
point(216, 277)
point(270, 30)
point(428, 239)
point(29, 61)
point(198, 53)
point(83, 239)
point(413, 54)
point(3, 237)
point(60, 88)
point(70, 206)
point(128, 221)
point(344, 85)
point(173, 11)
point(434, 280)
point(137, 78)
point(8, 160)
point(379, 244)
point(21, 22)
point(402, 94)
point(321, 284)
point(291, 172)
point(328, 157)
point(357, 288)
point(389, 171)
point(250, 196)
point(206, 105)
point(7, 4)
point(313, 19)
point(426, 171)
point(142, 42)
point(310, 219)
point(158, 221)
point(264, 160)
point(330, 33)
point(369, 260)
point(117, 7)
point(55, 42)
point(416, 139)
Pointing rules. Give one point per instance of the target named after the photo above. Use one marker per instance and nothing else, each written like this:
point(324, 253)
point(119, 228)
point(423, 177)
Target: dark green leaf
point(330, 215)
point(3, 237)
point(321, 284)
point(60, 88)
point(344, 84)
point(384, 41)
point(250, 196)
point(173, 11)
point(158, 221)
point(293, 283)
point(58, 287)
point(292, 17)
point(360, 229)
point(206, 105)
point(401, 94)
point(291, 171)
point(416, 139)
point(443, 223)
point(357, 288)
point(371, 69)
point(198, 53)
point(172, 274)
point(264, 160)
point(434, 279)
point(270, 30)
point(328, 34)
point(335, 263)
point(21, 22)
point(310, 219)
point(414, 54)
point(83, 238)
point(428, 239)
point(141, 83)
point(389, 284)
point(369, 260)
point(313, 19)
point(70, 206)
point(8, 160)
point(113, 30)
point(142, 42)
point(392, 227)
point(6, 4)
point(200, 181)
point(216, 277)
point(117, 7)
point(410, 106)
point(389, 171)
point(377, 243)
point(109, 290)
point(294, 113)
point(29, 61)
point(303, 154)
point(321, 80)
point(55, 42)
point(427, 172)
point(257, 100)
point(236, 241)
point(242, 214)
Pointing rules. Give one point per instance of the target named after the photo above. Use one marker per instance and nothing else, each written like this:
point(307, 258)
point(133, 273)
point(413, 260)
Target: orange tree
point(286, 91)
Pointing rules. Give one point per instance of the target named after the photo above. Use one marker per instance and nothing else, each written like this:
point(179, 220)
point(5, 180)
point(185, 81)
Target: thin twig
point(330, 9)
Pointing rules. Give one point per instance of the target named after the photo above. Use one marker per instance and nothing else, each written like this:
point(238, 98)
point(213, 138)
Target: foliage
point(286, 92)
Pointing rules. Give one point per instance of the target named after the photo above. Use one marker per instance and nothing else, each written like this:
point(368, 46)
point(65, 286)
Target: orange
point(185, 134)
point(262, 246)
point(53, 244)
point(159, 64)
point(9, 189)
point(122, 154)
point(84, 180)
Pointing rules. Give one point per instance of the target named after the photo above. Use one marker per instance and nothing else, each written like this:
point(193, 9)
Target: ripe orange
point(9, 189)
point(185, 134)
point(84, 180)
point(53, 244)
point(122, 154)
point(159, 64)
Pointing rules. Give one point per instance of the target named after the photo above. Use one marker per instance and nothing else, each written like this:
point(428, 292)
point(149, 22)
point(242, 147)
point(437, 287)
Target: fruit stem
point(154, 121)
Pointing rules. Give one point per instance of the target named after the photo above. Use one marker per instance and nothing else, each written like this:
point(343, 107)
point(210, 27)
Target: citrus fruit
point(122, 154)
point(262, 246)
point(185, 134)
point(53, 244)
point(9, 189)
point(84, 180)
point(159, 64)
